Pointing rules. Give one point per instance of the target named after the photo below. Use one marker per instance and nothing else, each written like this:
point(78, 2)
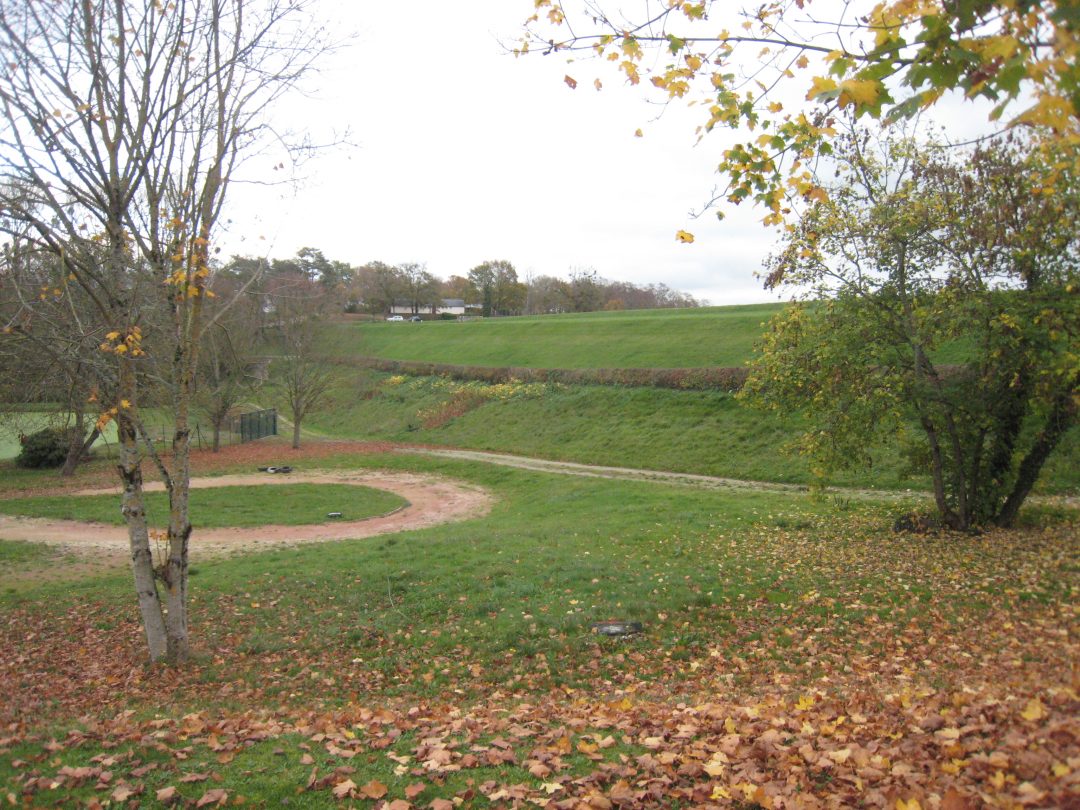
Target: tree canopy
point(942, 306)
point(890, 59)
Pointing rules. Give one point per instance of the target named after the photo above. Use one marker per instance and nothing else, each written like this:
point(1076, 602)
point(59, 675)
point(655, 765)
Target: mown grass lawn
point(792, 646)
point(279, 504)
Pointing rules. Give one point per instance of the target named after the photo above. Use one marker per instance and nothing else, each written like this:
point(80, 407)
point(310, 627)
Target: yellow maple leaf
point(1034, 710)
point(684, 236)
point(822, 84)
point(716, 766)
point(860, 92)
point(805, 702)
point(1000, 47)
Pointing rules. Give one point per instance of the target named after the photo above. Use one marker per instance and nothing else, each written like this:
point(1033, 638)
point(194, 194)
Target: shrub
point(44, 449)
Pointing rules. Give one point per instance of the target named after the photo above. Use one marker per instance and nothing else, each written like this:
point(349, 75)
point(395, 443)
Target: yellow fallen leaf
point(1034, 710)
point(716, 766)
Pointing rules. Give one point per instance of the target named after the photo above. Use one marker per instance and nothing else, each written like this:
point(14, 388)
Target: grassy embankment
point(707, 432)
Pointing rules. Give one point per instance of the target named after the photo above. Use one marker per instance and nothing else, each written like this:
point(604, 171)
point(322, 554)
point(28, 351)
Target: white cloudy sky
point(461, 153)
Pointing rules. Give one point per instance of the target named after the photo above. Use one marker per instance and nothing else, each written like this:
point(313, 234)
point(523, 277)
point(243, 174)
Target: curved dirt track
point(431, 500)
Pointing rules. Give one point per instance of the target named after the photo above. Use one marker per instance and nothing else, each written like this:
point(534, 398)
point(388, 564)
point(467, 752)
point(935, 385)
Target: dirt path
point(686, 479)
point(431, 500)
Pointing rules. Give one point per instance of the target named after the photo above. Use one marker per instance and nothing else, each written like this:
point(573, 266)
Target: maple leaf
point(168, 795)
point(570, 82)
point(822, 87)
point(684, 236)
point(1034, 710)
point(215, 796)
point(374, 789)
point(860, 92)
point(412, 791)
point(343, 789)
point(122, 793)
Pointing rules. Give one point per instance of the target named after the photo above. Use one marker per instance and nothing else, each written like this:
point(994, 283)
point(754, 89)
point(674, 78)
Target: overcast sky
point(462, 153)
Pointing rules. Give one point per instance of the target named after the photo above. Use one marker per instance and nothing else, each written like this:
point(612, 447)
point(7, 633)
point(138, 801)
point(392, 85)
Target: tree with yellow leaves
point(889, 60)
point(121, 128)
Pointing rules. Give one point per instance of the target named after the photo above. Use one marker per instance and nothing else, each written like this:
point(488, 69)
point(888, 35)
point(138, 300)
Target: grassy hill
point(706, 432)
point(660, 338)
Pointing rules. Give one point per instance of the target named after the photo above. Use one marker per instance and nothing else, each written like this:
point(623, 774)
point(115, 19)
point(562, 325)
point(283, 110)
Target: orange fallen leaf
point(374, 789)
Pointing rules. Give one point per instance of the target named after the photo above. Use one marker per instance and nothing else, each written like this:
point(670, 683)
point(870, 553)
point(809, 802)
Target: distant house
point(447, 306)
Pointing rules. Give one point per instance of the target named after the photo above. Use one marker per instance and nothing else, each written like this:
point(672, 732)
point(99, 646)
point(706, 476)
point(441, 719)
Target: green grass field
point(365, 655)
point(280, 504)
point(659, 338)
point(673, 338)
point(792, 644)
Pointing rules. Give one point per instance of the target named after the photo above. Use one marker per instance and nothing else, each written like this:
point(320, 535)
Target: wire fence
point(239, 429)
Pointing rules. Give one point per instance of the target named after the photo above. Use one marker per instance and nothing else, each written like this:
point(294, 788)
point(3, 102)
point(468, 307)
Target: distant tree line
point(492, 288)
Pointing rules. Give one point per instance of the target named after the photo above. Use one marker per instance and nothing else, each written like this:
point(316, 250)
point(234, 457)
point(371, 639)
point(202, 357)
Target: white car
point(395, 318)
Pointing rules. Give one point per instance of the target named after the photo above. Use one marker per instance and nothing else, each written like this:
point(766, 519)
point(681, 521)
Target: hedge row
point(713, 378)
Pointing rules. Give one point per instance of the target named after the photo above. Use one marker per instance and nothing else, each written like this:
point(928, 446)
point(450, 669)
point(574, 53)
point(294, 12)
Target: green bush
point(45, 448)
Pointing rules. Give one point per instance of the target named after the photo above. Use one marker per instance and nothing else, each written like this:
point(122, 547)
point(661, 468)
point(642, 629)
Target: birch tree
point(122, 126)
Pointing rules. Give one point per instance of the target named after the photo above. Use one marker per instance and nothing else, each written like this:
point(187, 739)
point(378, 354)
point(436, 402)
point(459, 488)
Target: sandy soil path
point(432, 500)
point(687, 479)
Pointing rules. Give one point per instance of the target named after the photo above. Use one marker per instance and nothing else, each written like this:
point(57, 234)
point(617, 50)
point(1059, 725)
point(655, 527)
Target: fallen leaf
point(215, 796)
point(374, 789)
point(1034, 710)
point(343, 789)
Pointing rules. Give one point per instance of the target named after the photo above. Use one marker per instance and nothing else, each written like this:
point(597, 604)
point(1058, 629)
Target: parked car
point(395, 318)
point(416, 319)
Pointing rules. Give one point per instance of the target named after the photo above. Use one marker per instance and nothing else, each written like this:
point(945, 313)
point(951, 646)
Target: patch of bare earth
point(82, 548)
